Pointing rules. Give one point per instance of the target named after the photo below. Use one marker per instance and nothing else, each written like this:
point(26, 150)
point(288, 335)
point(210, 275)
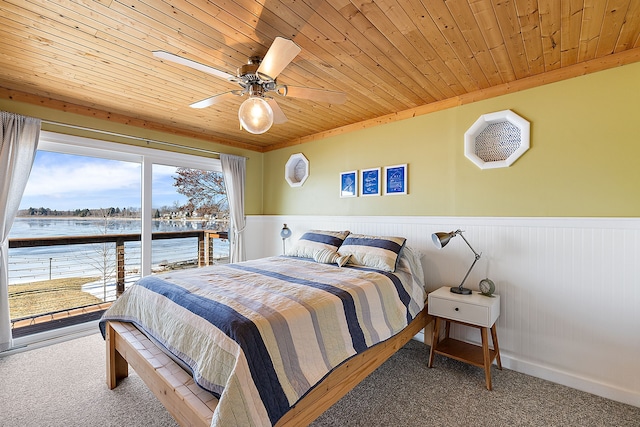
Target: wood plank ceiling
point(392, 58)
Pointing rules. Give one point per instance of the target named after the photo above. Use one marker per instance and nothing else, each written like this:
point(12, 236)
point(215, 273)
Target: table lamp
point(441, 240)
point(285, 233)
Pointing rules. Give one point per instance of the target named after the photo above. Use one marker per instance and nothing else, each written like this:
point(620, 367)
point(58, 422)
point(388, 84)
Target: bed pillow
point(413, 258)
point(317, 240)
point(379, 252)
point(327, 256)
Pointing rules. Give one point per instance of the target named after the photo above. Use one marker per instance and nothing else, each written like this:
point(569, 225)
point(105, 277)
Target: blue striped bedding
point(260, 334)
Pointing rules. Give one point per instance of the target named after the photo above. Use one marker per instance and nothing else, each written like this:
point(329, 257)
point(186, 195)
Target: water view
point(47, 262)
point(98, 260)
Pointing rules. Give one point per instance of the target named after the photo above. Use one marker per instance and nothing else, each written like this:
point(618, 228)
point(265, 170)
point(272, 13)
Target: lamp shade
point(256, 115)
point(285, 233)
point(441, 239)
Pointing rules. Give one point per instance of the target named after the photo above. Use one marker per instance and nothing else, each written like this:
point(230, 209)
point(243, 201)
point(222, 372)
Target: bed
point(274, 341)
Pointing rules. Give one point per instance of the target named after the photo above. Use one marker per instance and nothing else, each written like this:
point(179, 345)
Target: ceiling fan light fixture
point(256, 115)
point(257, 78)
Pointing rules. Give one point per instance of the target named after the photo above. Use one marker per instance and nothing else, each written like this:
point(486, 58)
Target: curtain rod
point(120, 135)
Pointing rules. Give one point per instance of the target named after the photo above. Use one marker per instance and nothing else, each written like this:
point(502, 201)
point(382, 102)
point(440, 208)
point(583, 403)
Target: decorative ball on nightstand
point(487, 287)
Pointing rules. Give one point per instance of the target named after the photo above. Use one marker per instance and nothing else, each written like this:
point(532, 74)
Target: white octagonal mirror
point(496, 140)
point(296, 171)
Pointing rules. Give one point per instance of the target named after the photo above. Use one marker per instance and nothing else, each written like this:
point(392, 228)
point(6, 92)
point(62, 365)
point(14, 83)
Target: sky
point(68, 182)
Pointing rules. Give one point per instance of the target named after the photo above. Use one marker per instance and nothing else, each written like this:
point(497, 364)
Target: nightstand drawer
point(474, 309)
point(463, 312)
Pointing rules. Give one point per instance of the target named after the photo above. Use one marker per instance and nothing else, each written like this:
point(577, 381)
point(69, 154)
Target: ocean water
point(51, 262)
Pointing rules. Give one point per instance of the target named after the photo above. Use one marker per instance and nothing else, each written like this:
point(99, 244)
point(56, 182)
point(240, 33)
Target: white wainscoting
point(569, 287)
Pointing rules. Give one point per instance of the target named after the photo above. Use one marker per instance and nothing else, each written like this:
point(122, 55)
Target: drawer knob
point(456, 309)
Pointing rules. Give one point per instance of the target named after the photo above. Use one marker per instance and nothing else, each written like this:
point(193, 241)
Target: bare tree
point(205, 191)
point(105, 253)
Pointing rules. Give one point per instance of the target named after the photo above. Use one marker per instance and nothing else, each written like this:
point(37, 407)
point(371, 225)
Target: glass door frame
point(147, 157)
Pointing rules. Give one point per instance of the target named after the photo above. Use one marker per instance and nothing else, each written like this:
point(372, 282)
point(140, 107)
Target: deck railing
point(205, 245)
point(205, 242)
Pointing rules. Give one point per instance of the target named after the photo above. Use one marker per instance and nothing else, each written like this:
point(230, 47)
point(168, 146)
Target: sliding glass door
point(186, 199)
point(97, 215)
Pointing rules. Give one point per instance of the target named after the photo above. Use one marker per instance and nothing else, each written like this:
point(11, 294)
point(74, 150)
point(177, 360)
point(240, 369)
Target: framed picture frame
point(395, 180)
point(370, 182)
point(349, 184)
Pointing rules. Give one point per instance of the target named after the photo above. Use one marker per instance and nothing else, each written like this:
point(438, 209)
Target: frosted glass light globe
point(256, 115)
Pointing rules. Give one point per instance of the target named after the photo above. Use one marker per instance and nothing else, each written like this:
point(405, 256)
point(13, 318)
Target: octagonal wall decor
point(296, 170)
point(496, 140)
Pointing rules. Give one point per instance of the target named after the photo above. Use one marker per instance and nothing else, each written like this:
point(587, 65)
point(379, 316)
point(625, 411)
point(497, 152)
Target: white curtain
point(18, 143)
point(234, 170)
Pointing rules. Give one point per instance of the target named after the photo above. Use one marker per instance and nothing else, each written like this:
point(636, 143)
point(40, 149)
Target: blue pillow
point(379, 252)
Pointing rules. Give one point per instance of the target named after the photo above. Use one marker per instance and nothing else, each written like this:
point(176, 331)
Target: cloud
point(77, 178)
point(67, 182)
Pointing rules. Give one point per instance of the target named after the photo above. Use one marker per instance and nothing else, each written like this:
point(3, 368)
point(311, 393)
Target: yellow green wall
point(584, 158)
point(253, 193)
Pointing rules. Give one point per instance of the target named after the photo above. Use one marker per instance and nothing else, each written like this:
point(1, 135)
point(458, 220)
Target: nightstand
point(476, 311)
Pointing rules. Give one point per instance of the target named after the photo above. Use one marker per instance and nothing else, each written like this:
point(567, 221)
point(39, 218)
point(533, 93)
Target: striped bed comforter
point(260, 334)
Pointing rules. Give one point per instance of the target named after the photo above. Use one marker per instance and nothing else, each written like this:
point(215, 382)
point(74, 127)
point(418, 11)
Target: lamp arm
point(477, 257)
point(465, 240)
point(469, 271)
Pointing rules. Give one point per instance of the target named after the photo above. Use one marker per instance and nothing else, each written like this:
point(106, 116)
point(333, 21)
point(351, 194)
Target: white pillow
point(327, 256)
point(415, 265)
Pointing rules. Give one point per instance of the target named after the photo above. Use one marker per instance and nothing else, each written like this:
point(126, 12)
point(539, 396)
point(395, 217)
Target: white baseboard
point(608, 391)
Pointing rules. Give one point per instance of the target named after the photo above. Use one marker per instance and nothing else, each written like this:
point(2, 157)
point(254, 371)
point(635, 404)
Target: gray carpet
point(63, 385)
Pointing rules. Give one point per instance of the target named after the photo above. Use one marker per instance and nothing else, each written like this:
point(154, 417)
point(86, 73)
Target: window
point(70, 196)
point(186, 199)
point(120, 196)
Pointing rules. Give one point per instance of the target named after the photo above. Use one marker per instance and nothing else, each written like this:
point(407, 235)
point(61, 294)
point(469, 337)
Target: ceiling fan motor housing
point(254, 83)
point(249, 70)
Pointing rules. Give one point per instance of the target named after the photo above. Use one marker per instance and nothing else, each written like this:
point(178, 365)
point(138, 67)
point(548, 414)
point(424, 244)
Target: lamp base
point(461, 291)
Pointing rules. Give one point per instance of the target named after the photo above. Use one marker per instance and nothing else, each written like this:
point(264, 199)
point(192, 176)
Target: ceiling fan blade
point(192, 64)
point(320, 95)
point(278, 115)
point(279, 55)
point(208, 102)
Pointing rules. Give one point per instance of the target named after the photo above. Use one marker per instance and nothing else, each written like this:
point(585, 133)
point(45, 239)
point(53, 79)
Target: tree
point(205, 190)
point(105, 253)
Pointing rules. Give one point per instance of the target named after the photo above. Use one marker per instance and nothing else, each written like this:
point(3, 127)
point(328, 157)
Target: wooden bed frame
point(190, 405)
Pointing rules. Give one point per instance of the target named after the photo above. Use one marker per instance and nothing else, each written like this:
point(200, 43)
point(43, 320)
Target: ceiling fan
point(257, 78)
